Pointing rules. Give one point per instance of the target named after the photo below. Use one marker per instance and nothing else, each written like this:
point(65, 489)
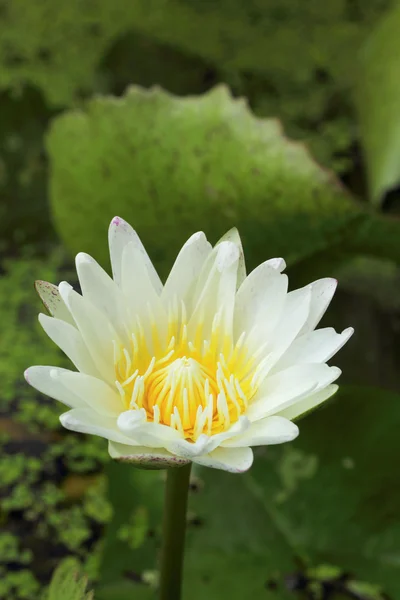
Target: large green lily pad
point(330, 498)
point(172, 166)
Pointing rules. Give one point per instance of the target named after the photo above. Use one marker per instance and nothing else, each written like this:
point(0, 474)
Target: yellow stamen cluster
point(193, 385)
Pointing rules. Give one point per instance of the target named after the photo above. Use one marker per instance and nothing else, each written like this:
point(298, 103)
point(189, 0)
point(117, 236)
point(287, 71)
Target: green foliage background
point(84, 135)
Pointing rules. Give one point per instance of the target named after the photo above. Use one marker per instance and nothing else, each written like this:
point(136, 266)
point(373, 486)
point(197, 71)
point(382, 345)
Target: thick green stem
point(176, 494)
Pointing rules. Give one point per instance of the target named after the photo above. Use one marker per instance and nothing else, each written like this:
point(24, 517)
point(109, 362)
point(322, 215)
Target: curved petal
point(98, 287)
point(120, 234)
point(233, 236)
point(97, 394)
point(186, 270)
point(276, 263)
point(322, 292)
point(97, 332)
point(272, 430)
point(289, 386)
point(70, 340)
point(144, 457)
point(143, 302)
point(51, 298)
point(217, 294)
point(146, 433)
point(259, 303)
point(233, 460)
point(309, 403)
point(293, 318)
point(87, 421)
point(317, 346)
point(39, 377)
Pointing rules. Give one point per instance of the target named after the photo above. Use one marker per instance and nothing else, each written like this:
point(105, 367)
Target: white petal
point(69, 339)
point(233, 236)
point(272, 430)
point(186, 269)
point(97, 332)
point(237, 429)
point(120, 234)
point(289, 386)
point(142, 300)
point(51, 298)
point(317, 346)
point(217, 292)
point(303, 406)
point(294, 315)
point(133, 424)
point(188, 450)
point(87, 421)
point(147, 458)
point(259, 303)
point(39, 377)
point(321, 294)
point(276, 263)
point(233, 460)
point(98, 287)
point(95, 393)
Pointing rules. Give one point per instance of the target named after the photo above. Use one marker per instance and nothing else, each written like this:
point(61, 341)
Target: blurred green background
point(307, 166)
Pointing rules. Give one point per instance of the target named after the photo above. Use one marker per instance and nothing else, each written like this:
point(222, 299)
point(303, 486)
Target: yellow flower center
point(193, 385)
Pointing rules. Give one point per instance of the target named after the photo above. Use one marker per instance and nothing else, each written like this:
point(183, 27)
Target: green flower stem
point(175, 508)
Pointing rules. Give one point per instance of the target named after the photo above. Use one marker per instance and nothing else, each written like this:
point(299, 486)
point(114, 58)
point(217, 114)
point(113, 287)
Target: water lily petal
point(314, 347)
point(233, 236)
point(51, 298)
point(322, 292)
point(120, 234)
point(271, 430)
point(98, 287)
point(233, 460)
point(309, 403)
point(289, 386)
point(259, 303)
point(96, 330)
point(40, 378)
point(69, 339)
point(186, 270)
point(87, 421)
point(103, 398)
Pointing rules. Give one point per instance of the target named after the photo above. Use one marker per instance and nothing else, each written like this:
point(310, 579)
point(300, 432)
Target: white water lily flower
point(199, 369)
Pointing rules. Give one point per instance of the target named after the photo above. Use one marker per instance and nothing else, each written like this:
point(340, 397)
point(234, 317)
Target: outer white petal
point(188, 450)
point(218, 292)
point(317, 346)
point(146, 433)
point(303, 406)
point(97, 394)
point(276, 263)
point(259, 303)
point(186, 269)
point(97, 332)
point(233, 460)
point(87, 421)
point(272, 430)
point(233, 236)
point(98, 287)
point(142, 300)
point(39, 377)
point(283, 389)
point(51, 298)
point(294, 315)
point(321, 294)
point(120, 234)
point(69, 339)
point(144, 457)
